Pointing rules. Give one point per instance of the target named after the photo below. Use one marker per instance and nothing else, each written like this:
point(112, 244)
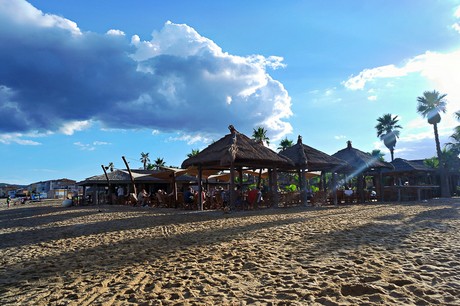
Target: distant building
point(10, 190)
point(54, 189)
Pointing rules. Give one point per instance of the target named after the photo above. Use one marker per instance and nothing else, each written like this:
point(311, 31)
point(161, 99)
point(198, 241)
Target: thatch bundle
point(311, 159)
point(359, 160)
point(238, 149)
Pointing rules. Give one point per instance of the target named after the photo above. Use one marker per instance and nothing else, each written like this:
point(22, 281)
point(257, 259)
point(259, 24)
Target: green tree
point(145, 160)
point(193, 153)
point(284, 144)
point(377, 154)
point(432, 162)
point(159, 162)
point(388, 131)
point(455, 145)
point(260, 135)
point(450, 158)
point(430, 105)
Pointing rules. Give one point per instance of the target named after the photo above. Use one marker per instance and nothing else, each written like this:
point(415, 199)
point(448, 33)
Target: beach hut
point(100, 184)
point(236, 151)
point(409, 180)
point(360, 163)
point(306, 158)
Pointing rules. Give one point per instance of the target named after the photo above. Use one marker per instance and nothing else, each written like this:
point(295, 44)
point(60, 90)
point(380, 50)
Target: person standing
point(120, 194)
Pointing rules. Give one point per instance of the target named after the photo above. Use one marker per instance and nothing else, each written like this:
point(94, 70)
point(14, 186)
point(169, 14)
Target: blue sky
point(83, 82)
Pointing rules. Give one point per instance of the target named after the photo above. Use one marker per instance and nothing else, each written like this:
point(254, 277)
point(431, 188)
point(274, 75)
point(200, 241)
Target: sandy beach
point(371, 254)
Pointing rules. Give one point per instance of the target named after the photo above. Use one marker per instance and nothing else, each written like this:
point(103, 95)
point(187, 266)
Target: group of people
point(220, 198)
point(215, 198)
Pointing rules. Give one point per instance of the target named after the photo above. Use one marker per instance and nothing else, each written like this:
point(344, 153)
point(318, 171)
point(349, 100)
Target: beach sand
point(368, 254)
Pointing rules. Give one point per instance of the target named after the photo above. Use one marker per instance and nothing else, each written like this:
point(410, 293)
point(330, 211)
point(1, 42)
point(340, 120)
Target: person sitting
point(142, 198)
point(189, 197)
point(254, 196)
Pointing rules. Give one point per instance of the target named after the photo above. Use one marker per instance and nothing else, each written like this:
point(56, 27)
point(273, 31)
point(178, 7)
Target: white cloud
point(115, 32)
point(191, 139)
point(84, 146)
point(69, 128)
point(101, 143)
point(23, 14)
point(439, 69)
point(17, 138)
point(134, 83)
point(372, 98)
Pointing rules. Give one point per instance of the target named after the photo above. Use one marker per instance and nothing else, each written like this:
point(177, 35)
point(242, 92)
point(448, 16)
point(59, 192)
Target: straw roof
point(359, 160)
point(403, 166)
point(120, 177)
point(239, 149)
point(306, 157)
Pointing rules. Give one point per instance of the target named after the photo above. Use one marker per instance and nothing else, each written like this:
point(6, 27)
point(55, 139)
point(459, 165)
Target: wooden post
point(200, 189)
point(109, 195)
point(275, 193)
point(303, 187)
point(130, 176)
point(334, 188)
point(232, 185)
point(174, 185)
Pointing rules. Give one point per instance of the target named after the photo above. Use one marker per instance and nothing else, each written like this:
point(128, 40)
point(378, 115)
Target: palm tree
point(145, 159)
point(110, 167)
point(159, 162)
point(377, 154)
point(193, 153)
point(260, 135)
point(285, 143)
point(388, 131)
point(455, 145)
point(432, 162)
point(430, 105)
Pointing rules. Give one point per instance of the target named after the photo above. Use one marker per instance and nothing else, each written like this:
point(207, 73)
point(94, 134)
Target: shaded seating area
point(236, 152)
point(410, 180)
point(360, 166)
point(307, 159)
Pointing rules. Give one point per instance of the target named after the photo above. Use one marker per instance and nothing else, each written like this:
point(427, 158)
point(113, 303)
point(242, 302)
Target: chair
point(319, 198)
point(180, 200)
point(219, 201)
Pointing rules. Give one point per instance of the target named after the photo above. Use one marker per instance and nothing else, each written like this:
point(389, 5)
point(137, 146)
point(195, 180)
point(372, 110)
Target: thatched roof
point(359, 160)
point(403, 166)
point(239, 149)
point(120, 176)
point(306, 157)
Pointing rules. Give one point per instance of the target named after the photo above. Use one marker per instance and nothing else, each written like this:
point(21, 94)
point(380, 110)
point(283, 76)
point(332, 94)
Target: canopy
point(359, 160)
point(237, 149)
point(306, 157)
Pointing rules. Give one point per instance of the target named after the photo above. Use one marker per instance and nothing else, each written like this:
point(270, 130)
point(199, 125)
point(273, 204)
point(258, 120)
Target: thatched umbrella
point(311, 159)
point(235, 150)
point(360, 162)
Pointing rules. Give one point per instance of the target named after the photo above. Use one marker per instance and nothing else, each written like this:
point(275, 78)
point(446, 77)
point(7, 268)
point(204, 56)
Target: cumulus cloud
point(439, 69)
point(55, 77)
point(70, 127)
point(17, 138)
